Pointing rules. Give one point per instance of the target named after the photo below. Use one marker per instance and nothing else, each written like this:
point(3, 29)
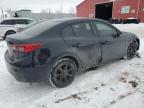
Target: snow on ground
point(119, 84)
point(134, 28)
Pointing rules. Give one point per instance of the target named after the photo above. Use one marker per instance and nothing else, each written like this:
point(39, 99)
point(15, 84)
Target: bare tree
point(2, 12)
point(49, 11)
point(58, 11)
point(10, 11)
point(71, 10)
point(44, 11)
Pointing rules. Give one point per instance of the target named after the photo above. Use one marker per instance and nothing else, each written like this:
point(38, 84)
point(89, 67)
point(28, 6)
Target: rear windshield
point(40, 28)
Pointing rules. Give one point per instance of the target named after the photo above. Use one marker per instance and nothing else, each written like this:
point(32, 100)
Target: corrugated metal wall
point(87, 8)
point(132, 4)
point(141, 11)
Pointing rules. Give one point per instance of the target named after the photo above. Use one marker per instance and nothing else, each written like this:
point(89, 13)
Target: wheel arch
point(72, 57)
point(138, 43)
point(132, 40)
point(5, 35)
point(9, 31)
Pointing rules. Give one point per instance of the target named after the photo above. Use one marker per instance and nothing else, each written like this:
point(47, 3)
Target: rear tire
point(8, 33)
point(132, 49)
point(63, 73)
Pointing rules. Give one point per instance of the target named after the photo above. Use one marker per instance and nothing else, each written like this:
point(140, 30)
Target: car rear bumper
point(37, 73)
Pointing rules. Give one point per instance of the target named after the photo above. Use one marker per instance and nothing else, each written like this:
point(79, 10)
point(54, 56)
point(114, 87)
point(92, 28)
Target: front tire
point(132, 49)
point(63, 73)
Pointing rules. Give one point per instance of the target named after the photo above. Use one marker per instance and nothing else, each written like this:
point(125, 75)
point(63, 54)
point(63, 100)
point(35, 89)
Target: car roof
point(71, 19)
point(53, 23)
point(74, 19)
point(17, 19)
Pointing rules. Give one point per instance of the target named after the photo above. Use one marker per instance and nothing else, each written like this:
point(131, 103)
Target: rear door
point(112, 43)
point(80, 38)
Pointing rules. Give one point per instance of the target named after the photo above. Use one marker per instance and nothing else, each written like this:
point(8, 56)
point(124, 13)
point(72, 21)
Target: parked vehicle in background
point(56, 50)
point(124, 21)
point(14, 25)
point(131, 20)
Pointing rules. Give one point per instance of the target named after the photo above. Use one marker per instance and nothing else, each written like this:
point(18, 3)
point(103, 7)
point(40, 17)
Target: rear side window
point(82, 29)
point(67, 32)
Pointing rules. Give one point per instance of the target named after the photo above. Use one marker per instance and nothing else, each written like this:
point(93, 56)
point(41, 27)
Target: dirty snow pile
point(119, 84)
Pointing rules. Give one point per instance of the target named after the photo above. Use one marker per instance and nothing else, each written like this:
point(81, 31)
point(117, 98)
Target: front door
point(112, 43)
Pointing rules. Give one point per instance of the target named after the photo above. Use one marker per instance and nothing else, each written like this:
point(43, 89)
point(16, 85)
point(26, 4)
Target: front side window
point(105, 29)
point(15, 21)
point(82, 30)
point(7, 22)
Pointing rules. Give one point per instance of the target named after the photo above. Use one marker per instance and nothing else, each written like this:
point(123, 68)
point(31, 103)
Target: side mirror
point(116, 35)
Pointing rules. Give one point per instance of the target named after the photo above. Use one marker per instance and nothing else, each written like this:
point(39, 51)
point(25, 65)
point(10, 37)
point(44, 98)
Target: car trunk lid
point(20, 45)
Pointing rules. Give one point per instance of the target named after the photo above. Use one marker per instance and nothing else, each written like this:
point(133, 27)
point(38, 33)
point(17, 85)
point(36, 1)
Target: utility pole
point(2, 12)
point(138, 9)
point(61, 6)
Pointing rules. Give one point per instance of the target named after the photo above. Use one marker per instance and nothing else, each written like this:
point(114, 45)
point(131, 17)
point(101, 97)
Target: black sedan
point(56, 50)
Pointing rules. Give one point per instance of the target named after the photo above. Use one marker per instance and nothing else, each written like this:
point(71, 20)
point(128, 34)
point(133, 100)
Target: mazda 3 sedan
point(56, 50)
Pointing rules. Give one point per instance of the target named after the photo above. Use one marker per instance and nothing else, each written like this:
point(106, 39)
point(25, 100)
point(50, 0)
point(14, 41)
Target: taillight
point(26, 47)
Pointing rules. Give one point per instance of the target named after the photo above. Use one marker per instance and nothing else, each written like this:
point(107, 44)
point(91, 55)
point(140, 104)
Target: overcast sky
point(38, 5)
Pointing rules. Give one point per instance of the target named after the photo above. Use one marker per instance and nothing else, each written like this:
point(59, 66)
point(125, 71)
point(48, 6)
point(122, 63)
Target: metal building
point(112, 9)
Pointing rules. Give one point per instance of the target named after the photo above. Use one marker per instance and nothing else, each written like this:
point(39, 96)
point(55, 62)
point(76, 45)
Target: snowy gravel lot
point(119, 84)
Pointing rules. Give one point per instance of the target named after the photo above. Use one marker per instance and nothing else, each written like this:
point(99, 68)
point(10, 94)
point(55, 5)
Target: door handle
point(76, 45)
point(106, 43)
